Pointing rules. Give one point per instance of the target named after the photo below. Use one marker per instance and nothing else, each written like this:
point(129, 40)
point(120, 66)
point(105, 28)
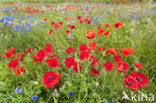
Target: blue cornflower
point(71, 94)
point(131, 16)
point(34, 97)
point(18, 90)
point(1, 20)
point(110, 100)
point(5, 23)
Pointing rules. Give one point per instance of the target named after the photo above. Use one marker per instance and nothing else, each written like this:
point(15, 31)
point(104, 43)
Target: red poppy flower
point(77, 66)
point(126, 51)
point(90, 34)
point(140, 77)
point(111, 50)
point(69, 62)
point(93, 60)
point(121, 66)
point(9, 52)
point(94, 71)
point(84, 55)
point(107, 25)
point(82, 47)
point(69, 25)
point(106, 33)
point(85, 19)
point(92, 45)
point(81, 21)
point(53, 62)
point(50, 79)
point(36, 58)
point(53, 56)
point(108, 66)
point(56, 26)
point(138, 65)
point(60, 23)
point(18, 70)
point(48, 48)
point(69, 50)
point(67, 31)
point(41, 54)
point(72, 27)
point(50, 31)
point(117, 58)
point(78, 17)
point(60, 71)
point(100, 31)
point(28, 50)
point(18, 55)
point(117, 24)
point(130, 82)
point(13, 63)
point(100, 48)
point(45, 19)
point(89, 21)
point(52, 23)
point(99, 27)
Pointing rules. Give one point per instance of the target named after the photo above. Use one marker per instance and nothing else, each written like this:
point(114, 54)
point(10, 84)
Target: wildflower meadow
point(77, 51)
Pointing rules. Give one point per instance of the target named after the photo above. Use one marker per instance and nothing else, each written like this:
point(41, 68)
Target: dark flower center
point(138, 78)
point(116, 25)
point(50, 77)
point(130, 82)
point(53, 63)
point(41, 53)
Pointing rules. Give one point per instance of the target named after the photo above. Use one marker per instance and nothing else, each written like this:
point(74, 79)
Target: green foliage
point(86, 89)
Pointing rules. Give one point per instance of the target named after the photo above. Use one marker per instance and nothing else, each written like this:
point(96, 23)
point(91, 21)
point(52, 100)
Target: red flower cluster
point(14, 62)
point(94, 71)
point(111, 50)
point(126, 51)
point(9, 52)
point(18, 55)
point(138, 65)
point(77, 66)
point(28, 50)
point(18, 70)
point(41, 54)
point(92, 45)
point(135, 80)
point(121, 66)
point(55, 25)
point(90, 34)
